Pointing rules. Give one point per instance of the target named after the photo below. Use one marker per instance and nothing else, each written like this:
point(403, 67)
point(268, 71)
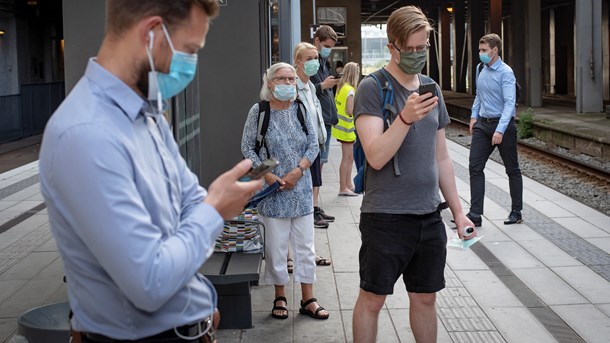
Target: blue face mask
point(311, 67)
point(182, 70)
point(284, 92)
point(484, 57)
point(325, 52)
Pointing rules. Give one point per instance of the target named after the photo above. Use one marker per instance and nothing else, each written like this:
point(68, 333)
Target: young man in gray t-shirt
point(402, 230)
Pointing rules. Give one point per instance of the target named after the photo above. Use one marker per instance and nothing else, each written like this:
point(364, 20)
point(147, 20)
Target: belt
point(489, 120)
point(191, 330)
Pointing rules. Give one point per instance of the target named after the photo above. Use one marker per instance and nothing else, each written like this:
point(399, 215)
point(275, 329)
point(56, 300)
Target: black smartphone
point(262, 169)
point(427, 88)
point(338, 75)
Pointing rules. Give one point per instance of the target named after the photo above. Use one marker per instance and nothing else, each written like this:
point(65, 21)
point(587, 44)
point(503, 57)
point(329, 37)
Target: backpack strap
point(263, 125)
point(389, 111)
point(263, 122)
point(301, 115)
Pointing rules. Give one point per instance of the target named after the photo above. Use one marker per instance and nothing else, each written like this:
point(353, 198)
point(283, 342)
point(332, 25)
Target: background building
point(559, 50)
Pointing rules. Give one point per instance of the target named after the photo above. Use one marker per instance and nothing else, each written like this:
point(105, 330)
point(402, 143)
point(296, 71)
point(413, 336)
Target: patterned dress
point(286, 141)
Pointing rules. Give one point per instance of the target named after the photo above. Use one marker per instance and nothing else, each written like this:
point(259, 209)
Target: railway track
point(552, 157)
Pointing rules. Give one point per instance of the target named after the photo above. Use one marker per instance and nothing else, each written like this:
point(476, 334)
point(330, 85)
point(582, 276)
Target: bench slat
point(240, 267)
point(245, 264)
point(213, 266)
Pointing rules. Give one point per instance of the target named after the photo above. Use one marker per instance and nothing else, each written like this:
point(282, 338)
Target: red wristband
point(404, 121)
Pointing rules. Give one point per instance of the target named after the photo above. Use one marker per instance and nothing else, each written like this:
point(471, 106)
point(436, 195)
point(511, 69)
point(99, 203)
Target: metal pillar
point(533, 57)
point(589, 80)
point(445, 47)
point(460, 49)
point(476, 30)
point(290, 28)
point(435, 49)
point(495, 17)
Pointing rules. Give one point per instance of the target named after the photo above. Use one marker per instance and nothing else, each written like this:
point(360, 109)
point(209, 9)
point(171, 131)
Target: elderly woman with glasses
point(287, 213)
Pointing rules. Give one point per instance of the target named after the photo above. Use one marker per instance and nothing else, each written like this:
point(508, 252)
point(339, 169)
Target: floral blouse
point(286, 141)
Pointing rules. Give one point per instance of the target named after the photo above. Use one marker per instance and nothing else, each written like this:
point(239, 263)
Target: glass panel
point(335, 17)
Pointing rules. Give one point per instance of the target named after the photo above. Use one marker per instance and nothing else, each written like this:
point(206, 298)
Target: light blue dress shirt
point(126, 213)
point(496, 87)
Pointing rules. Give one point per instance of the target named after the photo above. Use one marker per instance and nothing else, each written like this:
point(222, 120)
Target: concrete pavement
point(546, 280)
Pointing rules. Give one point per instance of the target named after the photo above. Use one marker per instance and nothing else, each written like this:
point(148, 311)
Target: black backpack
point(517, 85)
point(263, 122)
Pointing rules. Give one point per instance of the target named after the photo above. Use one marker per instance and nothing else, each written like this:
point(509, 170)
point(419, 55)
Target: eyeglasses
point(419, 48)
point(284, 79)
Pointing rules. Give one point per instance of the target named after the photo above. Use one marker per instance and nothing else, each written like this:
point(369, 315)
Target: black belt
point(489, 120)
point(191, 330)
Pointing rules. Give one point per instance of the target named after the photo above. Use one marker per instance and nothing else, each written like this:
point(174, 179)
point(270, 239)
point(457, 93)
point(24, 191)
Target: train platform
point(545, 280)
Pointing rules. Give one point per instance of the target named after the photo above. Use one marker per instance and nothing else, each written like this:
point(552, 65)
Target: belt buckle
point(203, 329)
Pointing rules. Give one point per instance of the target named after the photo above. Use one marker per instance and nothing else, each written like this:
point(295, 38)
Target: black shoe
point(318, 221)
point(477, 221)
point(324, 216)
point(514, 218)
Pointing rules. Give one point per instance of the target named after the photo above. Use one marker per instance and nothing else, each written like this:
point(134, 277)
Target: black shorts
point(414, 246)
point(316, 172)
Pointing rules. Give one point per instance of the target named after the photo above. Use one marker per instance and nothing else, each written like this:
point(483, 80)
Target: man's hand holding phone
point(228, 195)
point(420, 104)
point(329, 82)
point(260, 171)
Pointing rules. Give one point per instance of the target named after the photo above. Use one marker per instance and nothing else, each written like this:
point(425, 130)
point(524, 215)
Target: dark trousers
point(480, 149)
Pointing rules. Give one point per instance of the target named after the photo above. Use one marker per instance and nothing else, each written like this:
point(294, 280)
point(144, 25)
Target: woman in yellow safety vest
point(344, 131)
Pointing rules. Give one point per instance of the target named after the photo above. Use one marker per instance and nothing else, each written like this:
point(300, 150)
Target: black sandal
point(279, 308)
point(321, 261)
point(312, 314)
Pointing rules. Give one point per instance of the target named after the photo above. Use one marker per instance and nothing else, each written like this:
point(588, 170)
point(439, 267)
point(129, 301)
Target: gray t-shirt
point(416, 190)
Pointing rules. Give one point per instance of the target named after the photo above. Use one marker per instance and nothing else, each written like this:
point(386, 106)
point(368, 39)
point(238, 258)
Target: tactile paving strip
point(585, 252)
point(18, 186)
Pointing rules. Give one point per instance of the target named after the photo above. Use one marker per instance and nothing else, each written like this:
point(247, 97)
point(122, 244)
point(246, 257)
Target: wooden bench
point(232, 275)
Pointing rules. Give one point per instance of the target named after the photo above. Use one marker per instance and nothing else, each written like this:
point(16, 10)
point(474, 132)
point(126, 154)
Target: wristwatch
point(302, 169)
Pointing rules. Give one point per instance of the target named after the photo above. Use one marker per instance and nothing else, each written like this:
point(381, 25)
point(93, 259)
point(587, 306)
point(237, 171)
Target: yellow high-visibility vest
point(344, 130)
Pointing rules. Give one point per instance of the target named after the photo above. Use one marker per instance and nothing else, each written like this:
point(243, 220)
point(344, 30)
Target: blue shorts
point(414, 246)
point(324, 153)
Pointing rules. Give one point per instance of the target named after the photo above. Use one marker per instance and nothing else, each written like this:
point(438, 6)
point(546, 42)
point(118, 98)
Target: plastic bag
point(462, 244)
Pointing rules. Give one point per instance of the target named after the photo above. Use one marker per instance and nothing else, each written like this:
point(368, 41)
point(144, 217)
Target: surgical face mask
point(311, 67)
point(182, 69)
point(413, 62)
point(284, 92)
point(484, 57)
point(325, 52)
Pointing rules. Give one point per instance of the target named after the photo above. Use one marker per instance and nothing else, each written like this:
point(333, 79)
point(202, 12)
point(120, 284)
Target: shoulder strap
point(387, 94)
point(300, 115)
point(389, 111)
point(263, 125)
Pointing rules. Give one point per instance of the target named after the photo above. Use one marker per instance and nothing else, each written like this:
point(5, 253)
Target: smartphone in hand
point(427, 88)
point(261, 170)
point(337, 75)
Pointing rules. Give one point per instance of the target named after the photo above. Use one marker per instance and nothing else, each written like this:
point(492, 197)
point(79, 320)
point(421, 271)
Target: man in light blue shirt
point(492, 124)
point(130, 220)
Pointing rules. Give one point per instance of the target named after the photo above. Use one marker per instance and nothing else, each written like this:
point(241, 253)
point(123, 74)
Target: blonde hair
point(266, 93)
point(300, 48)
point(351, 75)
point(404, 22)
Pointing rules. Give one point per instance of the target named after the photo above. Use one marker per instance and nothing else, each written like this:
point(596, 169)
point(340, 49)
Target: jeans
point(324, 153)
point(480, 149)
